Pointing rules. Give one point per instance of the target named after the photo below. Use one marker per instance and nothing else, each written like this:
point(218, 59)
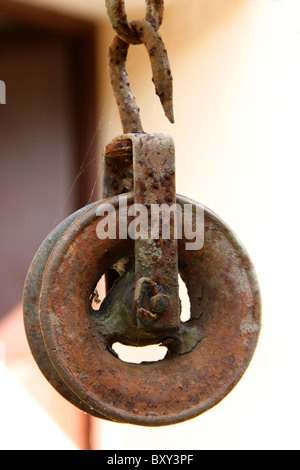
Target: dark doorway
point(48, 151)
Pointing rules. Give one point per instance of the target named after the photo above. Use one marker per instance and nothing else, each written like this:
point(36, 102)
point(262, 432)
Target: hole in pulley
point(115, 271)
point(97, 296)
point(132, 354)
point(185, 301)
point(106, 282)
point(137, 355)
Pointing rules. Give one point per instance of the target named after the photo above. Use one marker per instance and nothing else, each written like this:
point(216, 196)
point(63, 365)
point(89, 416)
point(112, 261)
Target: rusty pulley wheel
point(73, 342)
point(207, 355)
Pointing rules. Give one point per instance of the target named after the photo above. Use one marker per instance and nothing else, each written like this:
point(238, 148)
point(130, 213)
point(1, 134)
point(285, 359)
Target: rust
point(118, 168)
point(162, 76)
point(119, 149)
point(128, 110)
point(153, 162)
point(31, 298)
point(204, 362)
point(72, 342)
point(156, 258)
point(118, 18)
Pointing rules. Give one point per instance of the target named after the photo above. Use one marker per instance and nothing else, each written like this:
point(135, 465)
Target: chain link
point(123, 28)
point(138, 32)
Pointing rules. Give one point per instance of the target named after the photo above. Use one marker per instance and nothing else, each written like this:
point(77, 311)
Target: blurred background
point(236, 74)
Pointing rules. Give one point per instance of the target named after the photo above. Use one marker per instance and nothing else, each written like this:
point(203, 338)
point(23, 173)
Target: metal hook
point(162, 76)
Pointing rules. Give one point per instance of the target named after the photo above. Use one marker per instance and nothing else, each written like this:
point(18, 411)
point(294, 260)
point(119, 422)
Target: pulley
point(140, 238)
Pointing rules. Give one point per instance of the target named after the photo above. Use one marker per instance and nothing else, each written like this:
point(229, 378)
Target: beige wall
point(90, 9)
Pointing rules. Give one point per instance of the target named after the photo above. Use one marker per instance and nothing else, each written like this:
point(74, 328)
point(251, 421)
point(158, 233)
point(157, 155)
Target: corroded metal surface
point(162, 76)
point(72, 342)
point(117, 168)
point(119, 322)
point(118, 18)
point(31, 299)
point(225, 310)
point(150, 160)
point(156, 258)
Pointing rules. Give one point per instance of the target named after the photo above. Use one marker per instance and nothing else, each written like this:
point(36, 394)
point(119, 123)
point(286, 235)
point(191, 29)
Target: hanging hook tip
point(170, 115)
point(165, 94)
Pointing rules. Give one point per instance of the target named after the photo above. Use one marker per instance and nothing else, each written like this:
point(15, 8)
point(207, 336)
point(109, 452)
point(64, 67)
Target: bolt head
point(159, 303)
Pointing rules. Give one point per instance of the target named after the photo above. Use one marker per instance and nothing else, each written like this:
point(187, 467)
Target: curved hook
point(162, 76)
